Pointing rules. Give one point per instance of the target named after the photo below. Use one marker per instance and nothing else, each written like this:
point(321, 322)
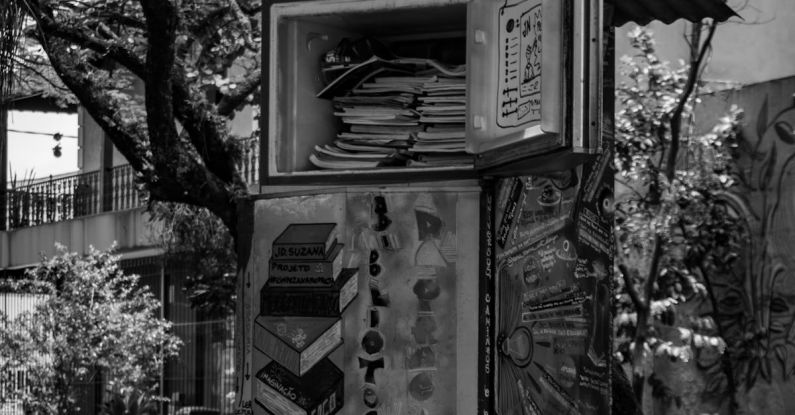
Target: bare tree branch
point(631, 289)
point(204, 131)
point(244, 23)
point(244, 89)
point(34, 68)
point(103, 109)
point(692, 78)
point(122, 19)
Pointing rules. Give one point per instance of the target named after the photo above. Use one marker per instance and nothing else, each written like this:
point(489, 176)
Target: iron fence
point(53, 200)
point(248, 166)
point(202, 376)
point(14, 381)
point(123, 192)
point(67, 197)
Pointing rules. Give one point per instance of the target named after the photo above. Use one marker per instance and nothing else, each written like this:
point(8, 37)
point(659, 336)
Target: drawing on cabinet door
point(519, 73)
point(553, 256)
point(382, 334)
point(534, 81)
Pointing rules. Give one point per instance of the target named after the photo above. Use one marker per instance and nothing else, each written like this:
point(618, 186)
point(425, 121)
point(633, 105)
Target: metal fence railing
point(52, 200)
point(248, 166)
point(202, 376)
point(62, 198)
point(123, 192)
point(14, 381)
point(13, 407)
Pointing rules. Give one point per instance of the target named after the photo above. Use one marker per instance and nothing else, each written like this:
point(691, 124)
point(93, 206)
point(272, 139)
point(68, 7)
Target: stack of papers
point(397, 114)
point(442, 111)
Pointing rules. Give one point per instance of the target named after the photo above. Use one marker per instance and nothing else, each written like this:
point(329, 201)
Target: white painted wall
point(755, 49)
point(23, 247)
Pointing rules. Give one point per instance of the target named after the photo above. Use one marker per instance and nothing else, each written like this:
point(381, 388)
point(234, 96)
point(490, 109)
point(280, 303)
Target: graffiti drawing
point(519, 67)
point(754, 301)
point(553, 250)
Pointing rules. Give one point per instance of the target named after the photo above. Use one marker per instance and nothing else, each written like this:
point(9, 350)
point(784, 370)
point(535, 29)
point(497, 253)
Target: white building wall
point(756, 48)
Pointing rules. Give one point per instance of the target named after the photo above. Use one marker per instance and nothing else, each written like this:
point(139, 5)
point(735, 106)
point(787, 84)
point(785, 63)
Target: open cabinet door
point(535, 83)
point(359, 301)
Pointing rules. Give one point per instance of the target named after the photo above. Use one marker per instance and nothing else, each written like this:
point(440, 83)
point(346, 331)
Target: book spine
point(299, 251)
point(332, 402)
point(284, 393)
point(276, 349)
point(275, 397)
point(321, 347)
point(309, 303)
point(301, 281)
point(349, 291)
point(317, 271)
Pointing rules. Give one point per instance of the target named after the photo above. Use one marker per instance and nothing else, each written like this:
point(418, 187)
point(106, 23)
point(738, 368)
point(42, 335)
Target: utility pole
point(3, 164)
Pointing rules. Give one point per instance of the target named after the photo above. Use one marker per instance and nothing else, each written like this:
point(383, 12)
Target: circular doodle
point(519, 346)
point(369, 397)
point(426, 289)
point(421, 387)
point(565, 252)
point(372, 342)
point(605, 205)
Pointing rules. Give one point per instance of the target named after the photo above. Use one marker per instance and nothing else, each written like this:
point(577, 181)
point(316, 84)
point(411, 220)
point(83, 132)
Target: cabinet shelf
point(527, 95)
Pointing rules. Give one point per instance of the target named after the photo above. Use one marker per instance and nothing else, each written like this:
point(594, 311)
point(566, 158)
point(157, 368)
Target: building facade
point(99, 205)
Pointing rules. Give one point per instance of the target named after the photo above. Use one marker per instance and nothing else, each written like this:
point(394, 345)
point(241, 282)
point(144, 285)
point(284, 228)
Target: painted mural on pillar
point(355, 302)
point(756, 298)
point(553, 250)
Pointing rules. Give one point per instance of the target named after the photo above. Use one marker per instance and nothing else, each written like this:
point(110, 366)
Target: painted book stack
point(300, 322)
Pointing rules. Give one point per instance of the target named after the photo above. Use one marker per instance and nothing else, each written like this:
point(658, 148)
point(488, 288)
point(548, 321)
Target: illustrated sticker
point(402, 357)
point(553, 293)
point(519, 85)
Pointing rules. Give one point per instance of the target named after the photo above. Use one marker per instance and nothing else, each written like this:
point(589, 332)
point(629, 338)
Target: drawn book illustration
point(305, 241)
point(297, 343)
point(294, 269)
point(320, 391)
point(316, 298)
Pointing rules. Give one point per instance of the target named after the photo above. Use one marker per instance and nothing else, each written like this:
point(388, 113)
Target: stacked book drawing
point(300, 321)
point(397, 113)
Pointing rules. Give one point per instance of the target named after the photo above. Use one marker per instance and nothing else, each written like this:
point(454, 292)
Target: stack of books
point(442, 109)
point(412, 116)
point(377, 126)
point(300, 321)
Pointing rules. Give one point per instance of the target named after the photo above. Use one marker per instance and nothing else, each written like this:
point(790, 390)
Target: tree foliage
point(196, 239)
point(674, 230)
point(91, 319)
point(162, 78)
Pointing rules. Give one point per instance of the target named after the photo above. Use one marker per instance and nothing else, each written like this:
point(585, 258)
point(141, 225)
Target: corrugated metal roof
point(667, 11)
point(38, 102)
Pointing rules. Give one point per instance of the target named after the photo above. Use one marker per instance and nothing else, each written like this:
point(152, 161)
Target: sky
point(32, 153)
